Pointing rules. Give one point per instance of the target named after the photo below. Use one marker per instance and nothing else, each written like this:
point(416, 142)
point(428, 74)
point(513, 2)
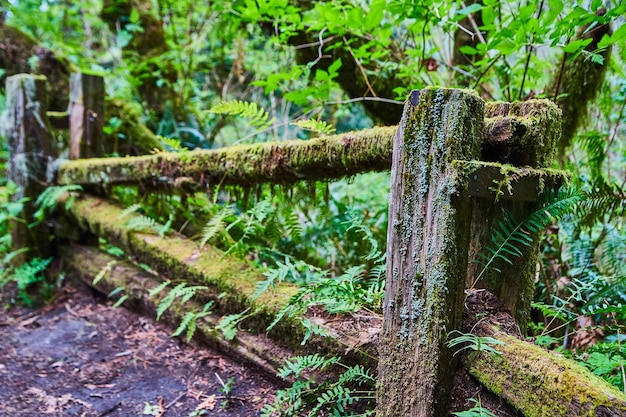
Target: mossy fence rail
point(457, 165)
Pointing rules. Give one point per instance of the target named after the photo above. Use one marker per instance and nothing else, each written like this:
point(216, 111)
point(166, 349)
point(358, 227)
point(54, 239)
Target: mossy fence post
point(446, 198)
point(86, 116)
point(533, 129)
point(427, 246)
point(32, 153)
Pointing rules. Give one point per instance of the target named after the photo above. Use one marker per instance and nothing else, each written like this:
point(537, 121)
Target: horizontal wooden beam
point(231, 281)
point(544, 384)
point(506, 182)
point(85, 263)
point(288, 162)
point(245, 165)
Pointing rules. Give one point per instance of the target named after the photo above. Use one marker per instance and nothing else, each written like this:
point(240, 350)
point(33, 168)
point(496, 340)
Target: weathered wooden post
point(523, 135)
point(86, 116)
point(428, 238)
point(32, 152)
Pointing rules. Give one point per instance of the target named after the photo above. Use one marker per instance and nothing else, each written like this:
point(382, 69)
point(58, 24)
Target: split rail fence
point(457, 165)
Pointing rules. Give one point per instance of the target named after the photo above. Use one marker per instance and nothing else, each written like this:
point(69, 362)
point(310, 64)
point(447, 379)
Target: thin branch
point(356, 99)
point(320, 50)
point(358, 64)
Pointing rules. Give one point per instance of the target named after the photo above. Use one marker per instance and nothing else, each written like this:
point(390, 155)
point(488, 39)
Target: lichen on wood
point(427, 243)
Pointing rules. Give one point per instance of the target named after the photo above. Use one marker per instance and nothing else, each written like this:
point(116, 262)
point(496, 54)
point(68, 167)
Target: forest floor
point(81, 357)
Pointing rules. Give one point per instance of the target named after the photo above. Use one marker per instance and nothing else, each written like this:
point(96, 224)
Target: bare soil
point(82, 357)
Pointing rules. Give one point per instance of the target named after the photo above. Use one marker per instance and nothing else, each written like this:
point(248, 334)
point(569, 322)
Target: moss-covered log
point(86, 263)
point(537, 382)
point(179, 258)
point(544, 384)
point(506, 139)
point(427, 244)
point(246, 165)
point(231, 282)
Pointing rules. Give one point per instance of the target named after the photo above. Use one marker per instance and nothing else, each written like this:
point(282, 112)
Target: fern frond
point(257, 117)
point(129, 210)
point(141, 223)
point(181, 291)
point(215, 225)
point(228, 324)
point(318, 126)
point(296, 366)
point(49, 198)
point(510, 236)
point(172, 144)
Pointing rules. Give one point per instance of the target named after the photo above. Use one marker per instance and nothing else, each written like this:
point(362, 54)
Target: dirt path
point(79, 357)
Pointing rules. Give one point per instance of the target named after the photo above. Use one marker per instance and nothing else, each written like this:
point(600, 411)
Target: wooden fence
point(457, 166)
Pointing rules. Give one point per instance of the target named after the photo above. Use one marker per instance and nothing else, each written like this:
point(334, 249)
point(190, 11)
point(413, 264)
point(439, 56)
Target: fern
point(510, 236)
point(141, 223)
point(257, 117)
point(330, 397)
point(49, 198)
point(24, 276)
point(228, 324)
point(129, 210)
point(181, 291)
point(215, 225)
point(156, 290)
point(476, 411)
point(188, 323)
point(318, 126)
point(473, 342)
point(103, 272)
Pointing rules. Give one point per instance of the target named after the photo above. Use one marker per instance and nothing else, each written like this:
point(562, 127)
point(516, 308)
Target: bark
point(86, 116)
point(148, 46)
point(426, 250)
point(466, 35)
point(526, 146)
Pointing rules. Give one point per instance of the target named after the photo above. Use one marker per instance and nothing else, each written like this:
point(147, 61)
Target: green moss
point(178, 258)
point(541, 383)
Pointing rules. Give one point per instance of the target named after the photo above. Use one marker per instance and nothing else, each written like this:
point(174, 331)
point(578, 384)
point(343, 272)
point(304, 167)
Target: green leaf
point(576, 45)
point(334, 67)
point(375, 14)
point(468, 50)
point(469, 10)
